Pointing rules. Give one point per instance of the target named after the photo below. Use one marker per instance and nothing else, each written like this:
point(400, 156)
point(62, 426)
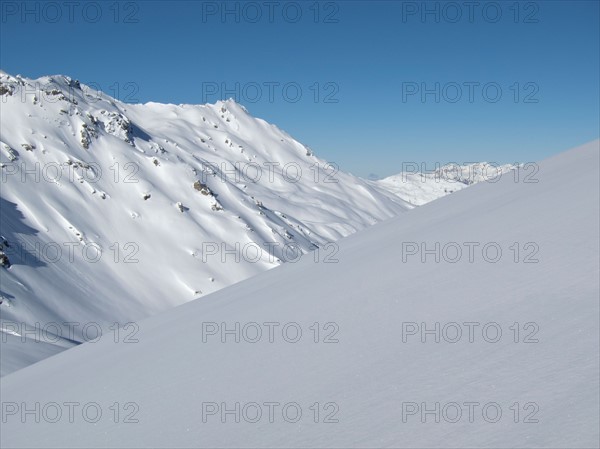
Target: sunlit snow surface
point(106, 222)
point(370, 370)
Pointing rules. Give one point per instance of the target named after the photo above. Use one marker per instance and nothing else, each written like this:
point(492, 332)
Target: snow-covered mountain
point(113, 211)
point(398, 344)
point(420, 187)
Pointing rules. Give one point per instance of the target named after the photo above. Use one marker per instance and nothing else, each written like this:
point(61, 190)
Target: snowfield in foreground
point(345, 354)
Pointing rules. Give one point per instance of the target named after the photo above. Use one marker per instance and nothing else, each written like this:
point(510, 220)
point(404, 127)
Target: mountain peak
point(206, 193)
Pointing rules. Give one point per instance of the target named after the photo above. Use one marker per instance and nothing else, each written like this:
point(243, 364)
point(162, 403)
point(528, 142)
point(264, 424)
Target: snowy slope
point(366, 367)
point(419, 188)
point(112, 212)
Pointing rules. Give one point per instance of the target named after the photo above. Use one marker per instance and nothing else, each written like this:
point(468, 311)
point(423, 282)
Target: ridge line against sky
point(367, 85)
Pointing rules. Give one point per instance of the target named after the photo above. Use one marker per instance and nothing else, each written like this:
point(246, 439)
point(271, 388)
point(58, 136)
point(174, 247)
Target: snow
point(365, 380)
point(418, 187)
point(104, 222)
point(147, 196)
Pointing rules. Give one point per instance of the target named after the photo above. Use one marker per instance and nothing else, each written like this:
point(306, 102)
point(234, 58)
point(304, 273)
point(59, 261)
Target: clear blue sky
point(373, 57)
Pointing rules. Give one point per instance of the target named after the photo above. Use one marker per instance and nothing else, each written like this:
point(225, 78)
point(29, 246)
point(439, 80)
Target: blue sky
point(513, 81)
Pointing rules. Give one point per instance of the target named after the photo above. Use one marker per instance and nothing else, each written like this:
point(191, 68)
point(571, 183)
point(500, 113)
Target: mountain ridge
point(168, 202)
